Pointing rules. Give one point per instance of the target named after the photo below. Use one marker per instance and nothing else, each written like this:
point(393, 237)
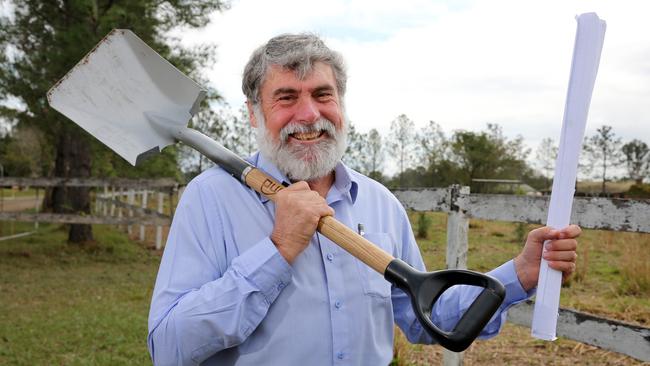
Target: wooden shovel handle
point(343, 236)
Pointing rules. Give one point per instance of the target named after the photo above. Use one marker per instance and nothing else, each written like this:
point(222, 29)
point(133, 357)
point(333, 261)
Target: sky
point(460, 63)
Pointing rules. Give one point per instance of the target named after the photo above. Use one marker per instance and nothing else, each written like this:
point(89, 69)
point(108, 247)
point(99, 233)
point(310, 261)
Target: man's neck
point(322, 185)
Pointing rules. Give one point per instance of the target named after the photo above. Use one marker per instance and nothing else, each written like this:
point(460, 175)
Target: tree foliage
point(44, 39)
point(603, 152)
point(637, 160)
point(401, 142)
point(546, 155)
point(487, 154)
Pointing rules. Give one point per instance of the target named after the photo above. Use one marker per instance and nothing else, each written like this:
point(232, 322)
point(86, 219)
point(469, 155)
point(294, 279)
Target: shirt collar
point(345, 183)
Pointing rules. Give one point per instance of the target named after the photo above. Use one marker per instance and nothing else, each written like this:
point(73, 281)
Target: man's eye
point(324, 95)
point(286, 98)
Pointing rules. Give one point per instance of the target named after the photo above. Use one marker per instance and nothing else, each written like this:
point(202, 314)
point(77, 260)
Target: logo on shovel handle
point(270, 187)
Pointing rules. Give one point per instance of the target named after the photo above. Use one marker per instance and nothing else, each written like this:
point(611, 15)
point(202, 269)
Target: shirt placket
point(339, 309)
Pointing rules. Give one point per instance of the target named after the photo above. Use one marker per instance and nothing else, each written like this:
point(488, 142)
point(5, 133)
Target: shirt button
point(337, 304)
point(281, 286)
point(339, 355)
point(330, 257)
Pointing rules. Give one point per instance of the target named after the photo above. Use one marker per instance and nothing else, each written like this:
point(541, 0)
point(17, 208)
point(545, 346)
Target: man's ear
point(251, 115)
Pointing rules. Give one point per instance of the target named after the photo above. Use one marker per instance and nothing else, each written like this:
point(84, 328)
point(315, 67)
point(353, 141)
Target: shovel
point(134, 101)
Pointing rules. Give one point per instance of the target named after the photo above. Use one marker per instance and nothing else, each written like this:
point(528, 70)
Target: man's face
point(301, 124)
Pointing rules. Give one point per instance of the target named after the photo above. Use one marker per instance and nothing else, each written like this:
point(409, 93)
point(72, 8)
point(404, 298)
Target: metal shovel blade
point(110, 92)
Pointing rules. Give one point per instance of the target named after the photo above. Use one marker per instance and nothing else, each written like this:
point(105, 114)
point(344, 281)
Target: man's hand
point(297, 212)
point(560, 253)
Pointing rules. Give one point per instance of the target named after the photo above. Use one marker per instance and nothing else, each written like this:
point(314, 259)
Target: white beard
point(302, 162)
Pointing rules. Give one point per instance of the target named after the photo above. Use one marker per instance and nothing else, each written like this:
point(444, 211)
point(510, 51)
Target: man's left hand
point(560, 253)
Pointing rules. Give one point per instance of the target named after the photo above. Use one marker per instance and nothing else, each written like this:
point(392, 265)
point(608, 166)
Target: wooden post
point(112, 197)
point(131, 201)
point(120, 193)
point(96, 211)
point(457, 229)
point(104, 205)
point(36, 209)
point(144, 205)
point(159, 228)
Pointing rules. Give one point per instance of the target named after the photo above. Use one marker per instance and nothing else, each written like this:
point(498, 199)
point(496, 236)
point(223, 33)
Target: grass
point(87, 305)
point(14, 192)
point(74, 305)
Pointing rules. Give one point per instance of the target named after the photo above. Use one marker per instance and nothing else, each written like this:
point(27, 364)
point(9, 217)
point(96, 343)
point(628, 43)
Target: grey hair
point(296, 52)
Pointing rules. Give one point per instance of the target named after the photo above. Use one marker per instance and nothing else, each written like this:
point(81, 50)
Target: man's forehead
point(319, 70)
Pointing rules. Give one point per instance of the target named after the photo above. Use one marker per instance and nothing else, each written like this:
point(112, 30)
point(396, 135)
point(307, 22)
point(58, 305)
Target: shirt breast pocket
point(373, 282)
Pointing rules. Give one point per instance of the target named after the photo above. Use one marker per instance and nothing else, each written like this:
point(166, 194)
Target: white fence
point(590, 213)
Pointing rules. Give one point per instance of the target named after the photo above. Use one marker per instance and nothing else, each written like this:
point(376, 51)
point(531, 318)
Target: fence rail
point(155, 184)
point(110, 207)
point(592, 213)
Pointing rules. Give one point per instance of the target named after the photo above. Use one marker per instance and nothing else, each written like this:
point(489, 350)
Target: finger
point(543, 233)
point(299, 186)
point(571, 231)
point(562, 245)
point(567, 256)
point(564, 267)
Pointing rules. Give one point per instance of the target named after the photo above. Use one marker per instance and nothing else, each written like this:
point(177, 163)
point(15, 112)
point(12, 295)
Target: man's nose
point(307, 110)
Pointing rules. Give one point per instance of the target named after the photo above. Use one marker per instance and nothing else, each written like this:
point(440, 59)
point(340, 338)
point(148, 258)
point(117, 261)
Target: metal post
point(457, 229)
point(144, 205)
point(159, 228)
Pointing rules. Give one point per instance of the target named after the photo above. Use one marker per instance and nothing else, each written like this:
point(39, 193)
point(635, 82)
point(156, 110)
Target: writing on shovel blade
point(110, 91)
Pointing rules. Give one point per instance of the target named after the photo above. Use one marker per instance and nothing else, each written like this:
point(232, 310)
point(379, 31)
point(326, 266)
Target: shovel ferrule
point(230, 162)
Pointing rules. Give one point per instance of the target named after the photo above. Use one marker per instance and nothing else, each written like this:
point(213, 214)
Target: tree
point(637, 160)
point(487, 154)
point(44, 39)
point(241, 137)
point(433, 145)
point(401, 142)
point(546, 155)
point(603, 151)
point(212, 123)
point(375, 154)
point(354, 155)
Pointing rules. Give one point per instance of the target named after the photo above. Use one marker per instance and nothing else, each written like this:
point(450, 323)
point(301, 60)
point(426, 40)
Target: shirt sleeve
point(197, 309)
point(453, 303)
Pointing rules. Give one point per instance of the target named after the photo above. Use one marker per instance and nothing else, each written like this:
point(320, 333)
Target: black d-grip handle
point(425, 288)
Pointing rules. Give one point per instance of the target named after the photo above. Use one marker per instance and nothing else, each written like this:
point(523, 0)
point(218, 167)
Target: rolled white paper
point(584, 67)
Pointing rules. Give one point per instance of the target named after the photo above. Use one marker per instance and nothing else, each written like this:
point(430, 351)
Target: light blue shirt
point(225, 296)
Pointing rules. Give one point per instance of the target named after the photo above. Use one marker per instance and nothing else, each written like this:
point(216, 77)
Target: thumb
point(542, 234)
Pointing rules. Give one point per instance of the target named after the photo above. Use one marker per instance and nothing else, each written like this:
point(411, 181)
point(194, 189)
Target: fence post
point(104, 204)
point(112, 197)
point(120, 193)
point(457, 230)
point(158, 227)
point(36, 209)
point(96, 212)
point(144, 206)
point(131, 200)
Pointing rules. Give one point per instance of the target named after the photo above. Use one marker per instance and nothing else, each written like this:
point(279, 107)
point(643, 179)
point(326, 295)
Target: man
point(244, 281)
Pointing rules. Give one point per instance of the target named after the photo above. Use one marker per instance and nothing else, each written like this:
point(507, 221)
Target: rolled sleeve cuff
point(265, 268)
point(507, 275)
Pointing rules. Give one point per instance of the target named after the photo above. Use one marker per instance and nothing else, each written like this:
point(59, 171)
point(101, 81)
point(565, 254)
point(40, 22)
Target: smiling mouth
point(307, 136)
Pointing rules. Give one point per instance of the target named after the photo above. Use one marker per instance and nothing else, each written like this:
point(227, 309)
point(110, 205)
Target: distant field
point(66, 305)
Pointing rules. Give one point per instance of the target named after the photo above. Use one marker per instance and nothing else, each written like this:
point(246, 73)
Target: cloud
point(460, 63)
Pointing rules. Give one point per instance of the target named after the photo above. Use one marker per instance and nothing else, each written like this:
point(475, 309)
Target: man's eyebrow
point(325, 87)
point(284, 91)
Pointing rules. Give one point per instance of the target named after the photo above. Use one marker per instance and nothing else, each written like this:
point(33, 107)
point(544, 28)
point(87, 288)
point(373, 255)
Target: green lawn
point(69, 305)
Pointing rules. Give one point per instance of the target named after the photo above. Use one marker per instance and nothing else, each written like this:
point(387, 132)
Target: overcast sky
point(460, 63)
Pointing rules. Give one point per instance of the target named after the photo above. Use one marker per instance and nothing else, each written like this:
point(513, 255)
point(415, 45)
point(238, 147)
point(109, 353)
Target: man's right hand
point(297, 212)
